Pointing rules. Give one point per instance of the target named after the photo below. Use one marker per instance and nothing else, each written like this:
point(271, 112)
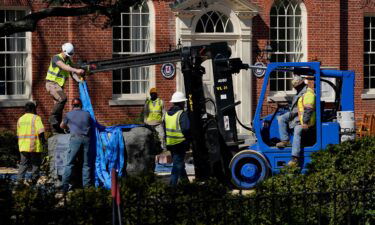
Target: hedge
point(338, 189)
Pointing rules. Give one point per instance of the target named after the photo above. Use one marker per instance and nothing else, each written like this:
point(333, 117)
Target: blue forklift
point(333, 124)
point(217, 149)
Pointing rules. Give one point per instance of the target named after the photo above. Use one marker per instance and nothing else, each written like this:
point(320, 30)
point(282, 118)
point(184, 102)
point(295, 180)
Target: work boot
point(294, 162)
point(282, 144)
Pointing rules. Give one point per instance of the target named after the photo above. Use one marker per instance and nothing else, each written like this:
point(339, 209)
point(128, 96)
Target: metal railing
point(352, 205)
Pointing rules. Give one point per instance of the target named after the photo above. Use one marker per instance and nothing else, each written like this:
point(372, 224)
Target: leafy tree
point(69, 8)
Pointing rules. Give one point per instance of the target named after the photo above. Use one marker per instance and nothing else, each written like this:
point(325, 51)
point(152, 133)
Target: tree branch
point(29, 22)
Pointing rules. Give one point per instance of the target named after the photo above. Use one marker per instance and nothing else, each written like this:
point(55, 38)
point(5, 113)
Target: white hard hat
point(68, 49)
point(178, 97)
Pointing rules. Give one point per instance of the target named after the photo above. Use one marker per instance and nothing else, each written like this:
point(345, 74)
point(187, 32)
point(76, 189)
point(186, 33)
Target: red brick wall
point(335, 37)
point(92, 42)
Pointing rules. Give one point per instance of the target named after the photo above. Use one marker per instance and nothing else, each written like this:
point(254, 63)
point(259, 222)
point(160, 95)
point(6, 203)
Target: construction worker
point(58, 72)
point(154, 114)
point(300, 118)
point(79, 123)
point(177, 127)
point(30, 132)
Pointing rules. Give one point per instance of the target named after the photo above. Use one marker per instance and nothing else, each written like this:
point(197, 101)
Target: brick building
point(338, 33)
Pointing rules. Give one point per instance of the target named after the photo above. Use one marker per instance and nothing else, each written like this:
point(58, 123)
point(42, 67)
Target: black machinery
point(215, 139)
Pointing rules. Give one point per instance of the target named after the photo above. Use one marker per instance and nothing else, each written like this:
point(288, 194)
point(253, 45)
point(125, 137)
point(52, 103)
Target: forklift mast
point(214, 137)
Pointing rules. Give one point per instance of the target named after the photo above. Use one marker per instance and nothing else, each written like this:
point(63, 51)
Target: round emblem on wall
point(168, 70)
point(259, 72)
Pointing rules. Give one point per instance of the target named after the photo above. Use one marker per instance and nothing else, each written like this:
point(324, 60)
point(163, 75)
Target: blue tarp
point(107, 147)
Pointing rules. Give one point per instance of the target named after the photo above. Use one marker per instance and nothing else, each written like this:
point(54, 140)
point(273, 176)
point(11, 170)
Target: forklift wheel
point(248, 168)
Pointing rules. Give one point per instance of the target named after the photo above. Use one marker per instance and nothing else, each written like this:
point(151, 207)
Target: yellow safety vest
point(308, 99)
point(29, 126)
point(155, 109)
point(173, 130)
point(56, 74)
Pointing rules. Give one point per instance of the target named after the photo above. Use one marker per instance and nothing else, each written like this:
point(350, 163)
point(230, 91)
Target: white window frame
point(281, 95)
point(19, 100)
point(138, 99)
point(221, 16)
point(371, 41)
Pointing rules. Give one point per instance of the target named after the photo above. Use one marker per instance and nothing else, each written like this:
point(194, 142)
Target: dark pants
point(29, 159)
point(78, 144)
point(178, 157)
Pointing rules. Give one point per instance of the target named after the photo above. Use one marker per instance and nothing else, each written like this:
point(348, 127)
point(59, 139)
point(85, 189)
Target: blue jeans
point(283, 131)
point(178, 156)
point(77, 144)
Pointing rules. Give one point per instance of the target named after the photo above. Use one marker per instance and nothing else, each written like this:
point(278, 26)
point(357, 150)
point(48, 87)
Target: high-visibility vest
point(29, 126)
point(56, 74)
point(155, 109)
point(173, 130)
point(307, 100)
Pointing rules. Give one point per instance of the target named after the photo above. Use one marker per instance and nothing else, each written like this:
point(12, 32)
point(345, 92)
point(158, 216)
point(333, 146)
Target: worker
point(30, 132)
point(177, 127)
point(300, 118)
point(79, 123)
point(58, 72)
point(153, 115)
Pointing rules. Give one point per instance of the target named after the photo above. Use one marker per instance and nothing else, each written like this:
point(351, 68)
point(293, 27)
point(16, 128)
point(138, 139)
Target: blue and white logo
point(259, 72)
point(168, 70)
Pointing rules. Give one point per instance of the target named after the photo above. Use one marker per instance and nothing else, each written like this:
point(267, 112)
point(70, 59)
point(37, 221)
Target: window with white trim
point(369, 53)
point(286, 37)
point(131, 35)
point(14, 59)
point(214, 22)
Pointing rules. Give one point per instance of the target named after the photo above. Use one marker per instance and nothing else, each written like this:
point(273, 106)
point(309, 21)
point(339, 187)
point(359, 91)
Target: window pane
point(281, 21)
point(125, 20)
point(286, 39)
point(11, 88)
point(145, 20)
point(372, 59)
point(116, 87)
point(116, 75)
point(367, 34)
point(126, 88)
point(273, 22)
point(2, 74)
point(2, 88)
point(116, 33)
point(126, 74)
point(126, 33)
point(134, 39)
point(126, 46)
point(367, 46)
point(2, 44)
point(116, 46)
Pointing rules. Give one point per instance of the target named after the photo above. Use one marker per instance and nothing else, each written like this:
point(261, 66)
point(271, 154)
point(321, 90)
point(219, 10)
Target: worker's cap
point(297, 80)
point(153, 90)
point(178, 97)
point(76, 102)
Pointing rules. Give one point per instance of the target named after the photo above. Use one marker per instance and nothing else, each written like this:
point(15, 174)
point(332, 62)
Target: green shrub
point(327, 194)
point(348, 166)
point(9, 154)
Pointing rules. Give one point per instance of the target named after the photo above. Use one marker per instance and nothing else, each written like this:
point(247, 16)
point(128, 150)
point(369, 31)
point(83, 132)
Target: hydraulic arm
point(214, 137)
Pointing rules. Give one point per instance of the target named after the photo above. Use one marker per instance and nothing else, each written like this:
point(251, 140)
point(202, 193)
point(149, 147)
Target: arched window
point(286, 36)
point(214, 22)
point(131, 35)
